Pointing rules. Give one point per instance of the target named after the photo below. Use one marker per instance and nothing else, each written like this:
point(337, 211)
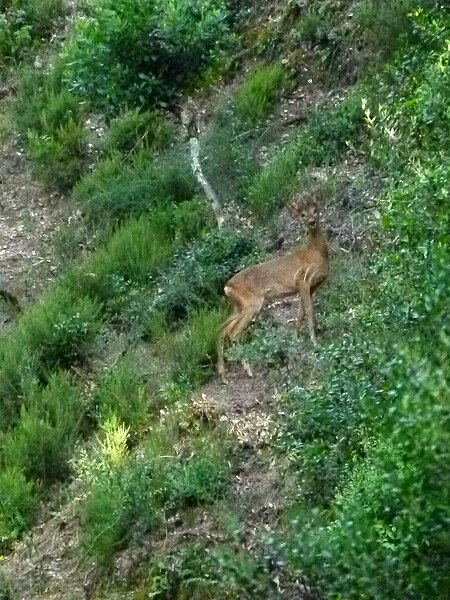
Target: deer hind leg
point(247, 315)
point(226, 329)
point(300, 314)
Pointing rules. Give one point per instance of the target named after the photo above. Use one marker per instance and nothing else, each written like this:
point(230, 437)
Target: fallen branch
point(190, 120)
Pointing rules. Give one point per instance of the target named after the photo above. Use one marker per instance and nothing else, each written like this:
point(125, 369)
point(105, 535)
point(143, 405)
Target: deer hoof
point(247, 369)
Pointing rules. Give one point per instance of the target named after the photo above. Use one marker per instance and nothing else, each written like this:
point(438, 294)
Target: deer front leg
point(305, 299)
point(300, 314)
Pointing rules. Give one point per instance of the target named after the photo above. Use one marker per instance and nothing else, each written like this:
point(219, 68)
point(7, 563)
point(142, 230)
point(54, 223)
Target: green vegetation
point(199, 571)
point(141, 52)
point(24, 24)
point(99, 378)
point(129, 495)
point(257, 95)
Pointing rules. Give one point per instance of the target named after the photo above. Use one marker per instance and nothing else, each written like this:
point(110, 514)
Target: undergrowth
point(363, 419)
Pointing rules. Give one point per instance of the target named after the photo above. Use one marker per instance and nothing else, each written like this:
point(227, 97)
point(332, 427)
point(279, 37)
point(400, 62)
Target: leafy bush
point(127, 495)
point(17, 505)
point(42, 442)
point(198, 272)
point(135, 254)
point(51, 119)
point(136, 52)
point(121, 393)
point(116, 190)
point(57, 332)
point(136, 130)
point(118, 494)
point(228, 154)
point(259, 92)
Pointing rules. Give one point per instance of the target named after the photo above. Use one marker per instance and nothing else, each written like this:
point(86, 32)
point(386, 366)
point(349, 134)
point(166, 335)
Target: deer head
point(305, 207)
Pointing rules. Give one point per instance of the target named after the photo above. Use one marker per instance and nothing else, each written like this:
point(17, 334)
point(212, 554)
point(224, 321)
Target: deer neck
point(317, 240)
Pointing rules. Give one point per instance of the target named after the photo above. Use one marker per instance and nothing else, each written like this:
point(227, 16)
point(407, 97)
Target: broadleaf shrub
point(138, 52)
point(196, 275)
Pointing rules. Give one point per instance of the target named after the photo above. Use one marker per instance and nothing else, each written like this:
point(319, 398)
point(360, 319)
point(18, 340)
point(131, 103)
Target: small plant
point(44, 438)
point(121, 393)
point(116, 190)
point(59, 158)
point(258, 94)
point(118, 491)
point(191, 351)
point(323, 140)
point(24, 24)
point(199, 571)
point(136, 130)
point(17, 505)
point(51, 120)
point(197, 274)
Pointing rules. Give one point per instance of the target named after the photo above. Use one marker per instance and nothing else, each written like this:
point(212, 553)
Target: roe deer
point(299, 272)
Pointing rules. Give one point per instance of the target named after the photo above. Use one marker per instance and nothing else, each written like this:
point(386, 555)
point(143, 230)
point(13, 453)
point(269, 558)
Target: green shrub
point(118, 494)
point(116, 190)
point(228, 155)
point(200, 478)
point(136, 130)
point(323, 140)
point(57, 332)
point(59, 159)
point(191, 351)
point(51, 120)
point(383, 27)
point(140, 52)
point(17, 505)
point(134, 255)
point(43, 104)
point(198, 272)
point(44, 438)
point(206, 572)
point(25, 23)
point(258, 94)
point(121, 392)
point(126, 495)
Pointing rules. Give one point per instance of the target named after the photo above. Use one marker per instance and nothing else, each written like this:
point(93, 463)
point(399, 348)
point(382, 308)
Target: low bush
point(190, 352)
point(121, 393)
point(59, 158)
point(229, 154)
point(259, 92)
point(128, 495)
point(197, 273)
point(198, 571)
point(135, 255)
point(42, 442)
point(24, 24)
point(51, 121)
point(116, 190)
point(136, 130)
point(135, 52)
point(323, 140)
point(17, 505)
point(58, 332)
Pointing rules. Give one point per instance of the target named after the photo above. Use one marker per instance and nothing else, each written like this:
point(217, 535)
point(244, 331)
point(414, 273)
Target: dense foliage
point(137, 52)
point(97, 377)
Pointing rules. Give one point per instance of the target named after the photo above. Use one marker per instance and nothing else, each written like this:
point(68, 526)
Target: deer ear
point(295, 206)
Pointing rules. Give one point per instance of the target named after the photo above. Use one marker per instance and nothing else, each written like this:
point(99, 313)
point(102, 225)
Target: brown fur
point(299, 272)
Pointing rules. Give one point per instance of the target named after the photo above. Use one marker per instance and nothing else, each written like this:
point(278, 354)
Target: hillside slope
point(128, 469)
